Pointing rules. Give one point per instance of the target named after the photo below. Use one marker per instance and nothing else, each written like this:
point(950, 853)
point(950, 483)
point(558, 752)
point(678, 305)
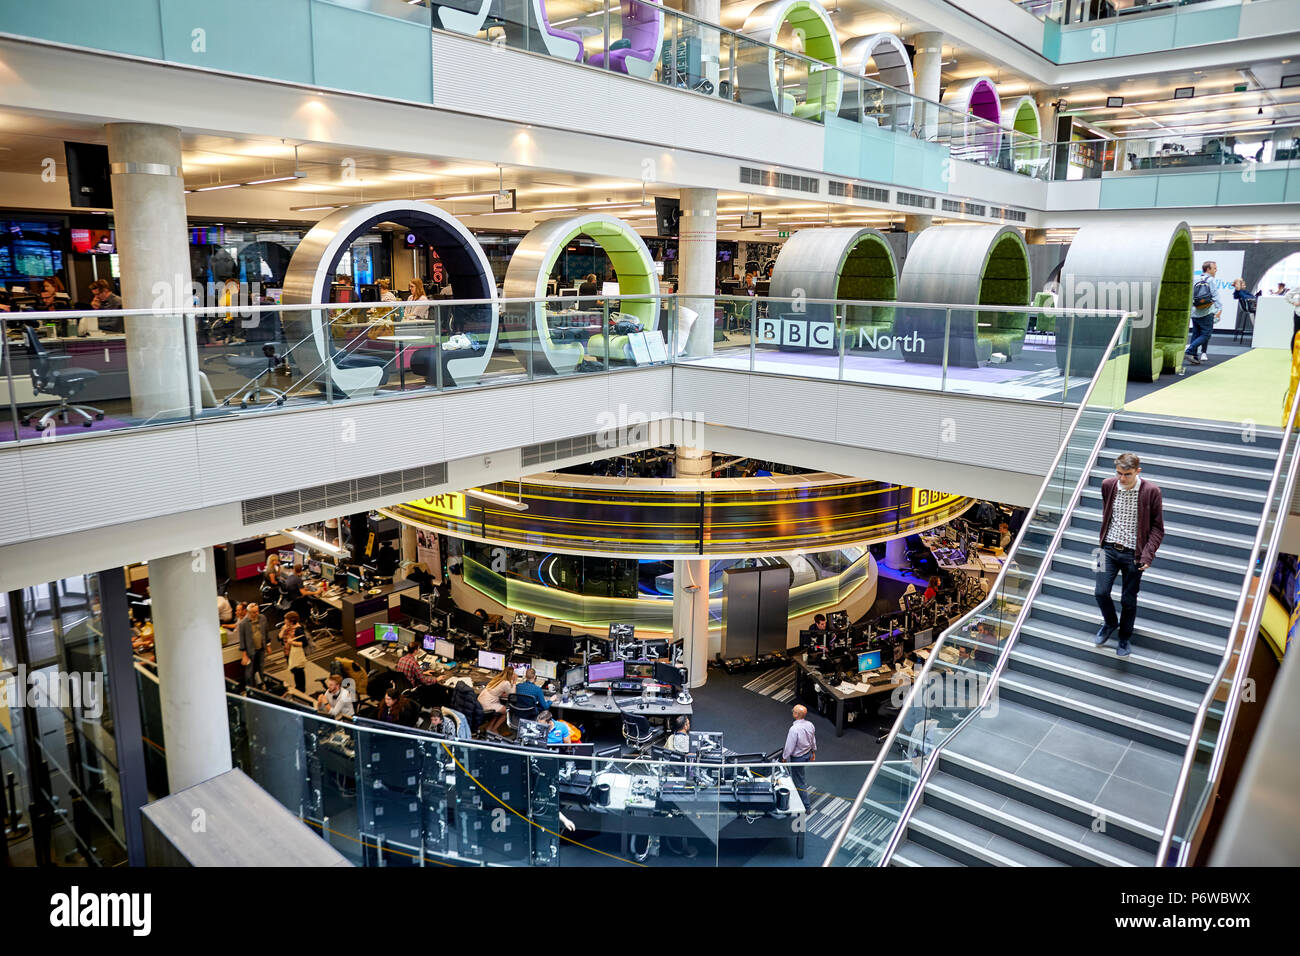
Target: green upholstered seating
point(1044, 323)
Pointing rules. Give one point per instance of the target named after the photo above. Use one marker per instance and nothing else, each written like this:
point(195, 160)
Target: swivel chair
point(66, 383)
point(520, 707)
point(637, 732)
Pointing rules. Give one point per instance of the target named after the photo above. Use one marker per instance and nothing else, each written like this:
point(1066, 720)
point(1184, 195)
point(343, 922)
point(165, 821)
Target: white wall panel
point(570, 407)
point(718, 397)
point(410, 432)
point(879, 418)
point(1074, 194)
point(792, 406)
point(488, 420)
point(249, 456)
point(13, 516)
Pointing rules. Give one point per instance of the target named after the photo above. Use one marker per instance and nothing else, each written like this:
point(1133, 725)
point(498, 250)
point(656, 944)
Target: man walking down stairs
point(1132, 527)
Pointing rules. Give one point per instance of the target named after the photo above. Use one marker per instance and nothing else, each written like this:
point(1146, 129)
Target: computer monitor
point(561, 630)
point(313, 566)
point(575, 677)
point(444, 649)
point(609, 670)
point(353, 582)
point(667, 674)
point(417, 609)
point(639, 669)
point(923, 639)
point(387, 633)
point(405, 636)
point(568, 293)
point(469, 623)
point(327, 571)
point(869, 660)
point(430, 643)
point(621, 632)
point(491, 661)
point(545, 669)
point(609, 288)
point(286, 556)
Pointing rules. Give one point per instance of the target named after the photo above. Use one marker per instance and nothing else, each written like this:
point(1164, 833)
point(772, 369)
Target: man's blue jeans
point(1202, 327)
point(797, 772)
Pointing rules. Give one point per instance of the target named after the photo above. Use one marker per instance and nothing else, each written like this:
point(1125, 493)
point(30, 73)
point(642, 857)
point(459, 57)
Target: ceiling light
point(208, 189)
point(277, 179)
point(320, 544)
point(1114, 102)
point(496, 499)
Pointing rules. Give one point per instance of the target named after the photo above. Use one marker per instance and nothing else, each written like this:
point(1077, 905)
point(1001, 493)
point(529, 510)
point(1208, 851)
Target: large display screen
point(101, 241)
point(30, 249)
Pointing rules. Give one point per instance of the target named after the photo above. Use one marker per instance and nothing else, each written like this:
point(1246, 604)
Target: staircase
point(1077, 762)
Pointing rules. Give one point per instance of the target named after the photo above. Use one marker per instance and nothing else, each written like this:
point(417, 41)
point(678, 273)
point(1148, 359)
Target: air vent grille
point(340, 494)
point(914, 199)
point(768, 177)
point(550, 451)
point(857, 191)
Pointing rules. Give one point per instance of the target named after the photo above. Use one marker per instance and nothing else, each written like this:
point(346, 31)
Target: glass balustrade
point(65, 380)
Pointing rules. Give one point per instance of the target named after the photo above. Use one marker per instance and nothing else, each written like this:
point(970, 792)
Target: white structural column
point(928, 64)
point(183, 588)
point(697, 256)
point(691, 581)
point(896, 553)
point(709, 11)
point(149, 216)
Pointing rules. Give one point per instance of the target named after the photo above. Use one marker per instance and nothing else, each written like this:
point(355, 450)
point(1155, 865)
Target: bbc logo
point(790, 331)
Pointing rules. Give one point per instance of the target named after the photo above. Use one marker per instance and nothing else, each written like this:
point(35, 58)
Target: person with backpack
point(1205, 310)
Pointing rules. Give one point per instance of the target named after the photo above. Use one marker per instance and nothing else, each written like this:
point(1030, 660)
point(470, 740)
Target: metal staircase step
point(932, 827)
point(1220, 495)
point(1084, 614)
point(1156, 730)
point(1034, 829)
point(1160, 466)
point(1140, 836)
point(1153, 606)
point(1199, 429)
point(1105, 677)
point(1189, 674)
point(1168, 553)
point(913, 854)
point(1072, 563)
point(1185, 521)
point(1199, 449)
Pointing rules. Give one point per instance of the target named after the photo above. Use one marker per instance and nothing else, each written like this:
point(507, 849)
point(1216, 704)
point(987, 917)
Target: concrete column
point(915, 224)
point(697, 256)
point(691, 616)
point(149, 216)
point(692, 463)
point(408, 547)
point(896, 553)
point(183, 589)
point(927, 67)
point(1035, 237)
point(710, 40)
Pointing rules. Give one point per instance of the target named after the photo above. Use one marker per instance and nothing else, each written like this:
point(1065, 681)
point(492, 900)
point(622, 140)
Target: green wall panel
point(1143, 36)
point(1052, 40)
point(1187, 189)
point(252, 37)
point(1128, 192)
point(1206, 26)
point(373, 54)
point(1268, 186)
point(123, 26)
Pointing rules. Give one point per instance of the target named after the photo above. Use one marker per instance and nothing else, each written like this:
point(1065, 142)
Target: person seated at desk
point(415, 313)
point(680, 738)
point(103, 297)
point(819, 624)
point(336, 701)
point(225, 614)
point(1004, 535)
point(932, 591)
point(558, 731)
point(296, 592)
point(408, 665)
point(481, 614)
point(492, 698)
point(587, 288)
point(397, 709)
point(529, 687)
point(271, 573)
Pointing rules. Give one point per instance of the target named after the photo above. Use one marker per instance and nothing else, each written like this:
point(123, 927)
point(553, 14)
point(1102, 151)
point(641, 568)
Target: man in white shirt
point(800, 744)
point(336, 701)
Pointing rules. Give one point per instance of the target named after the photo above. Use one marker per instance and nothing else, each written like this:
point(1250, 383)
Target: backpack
point(1202, 293)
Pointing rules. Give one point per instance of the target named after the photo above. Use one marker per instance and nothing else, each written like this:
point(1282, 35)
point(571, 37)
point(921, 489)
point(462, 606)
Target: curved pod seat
point(643, 31)
point(531, 266)
point(976, 265)
point(1021, 117)
point(311, 272)
point(976, 100)
point(759, 75)
point(884, 55)
point(1140, 266)
point(464, 16)
point(839, 264)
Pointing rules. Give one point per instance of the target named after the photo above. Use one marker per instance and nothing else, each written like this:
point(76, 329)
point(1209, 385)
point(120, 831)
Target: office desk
point(361, 612)
point(805, 672)
point(706, 815)
point(657, 707)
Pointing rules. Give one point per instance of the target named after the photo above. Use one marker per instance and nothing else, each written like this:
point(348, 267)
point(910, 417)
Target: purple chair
point(558, 43)
point(643, 29)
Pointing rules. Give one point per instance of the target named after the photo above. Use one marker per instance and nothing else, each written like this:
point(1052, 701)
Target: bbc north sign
point(796, 332)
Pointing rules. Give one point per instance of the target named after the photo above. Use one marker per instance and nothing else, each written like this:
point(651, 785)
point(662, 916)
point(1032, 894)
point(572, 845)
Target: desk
point(805, 672)
point(707, 814)
point(625, 704)
point(361, 612)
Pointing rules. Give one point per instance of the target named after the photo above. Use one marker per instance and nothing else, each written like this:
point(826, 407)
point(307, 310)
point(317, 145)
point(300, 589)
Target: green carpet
point(1246, 387)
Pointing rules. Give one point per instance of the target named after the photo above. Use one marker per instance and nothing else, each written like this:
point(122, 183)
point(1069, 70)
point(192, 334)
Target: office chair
point(637, 732)
point(49, 379)
point(520, 707)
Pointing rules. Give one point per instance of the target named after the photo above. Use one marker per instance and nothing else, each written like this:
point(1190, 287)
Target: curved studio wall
point(1136, 265)
point(841, 263)
point(979, 265)
point(1021, 117)
point(885, 56)
point(759, 74)
point(311, 273)
point(532, 339)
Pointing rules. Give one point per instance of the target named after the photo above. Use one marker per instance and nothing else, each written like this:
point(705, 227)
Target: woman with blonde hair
point(492, 698)
point(416, 313)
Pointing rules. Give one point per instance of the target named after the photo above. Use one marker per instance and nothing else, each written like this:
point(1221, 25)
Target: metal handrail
point(961, 622)
point(1234, 635)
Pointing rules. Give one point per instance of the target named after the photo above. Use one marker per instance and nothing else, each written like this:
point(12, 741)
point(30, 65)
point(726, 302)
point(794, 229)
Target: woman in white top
point(492, 698)
point(416, 313)
point(386, 293)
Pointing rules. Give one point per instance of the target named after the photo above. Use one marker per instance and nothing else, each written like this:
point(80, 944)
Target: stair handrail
point(920, 683)
point(1236, 635)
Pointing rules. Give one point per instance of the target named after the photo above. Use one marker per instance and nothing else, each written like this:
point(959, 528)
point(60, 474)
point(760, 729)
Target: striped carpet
point(777, 684)
point(826, 814)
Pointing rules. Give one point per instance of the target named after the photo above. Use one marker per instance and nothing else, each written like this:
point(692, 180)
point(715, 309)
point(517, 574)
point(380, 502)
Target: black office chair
point(520, 707)
point(637, 732)
point(48, 378)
